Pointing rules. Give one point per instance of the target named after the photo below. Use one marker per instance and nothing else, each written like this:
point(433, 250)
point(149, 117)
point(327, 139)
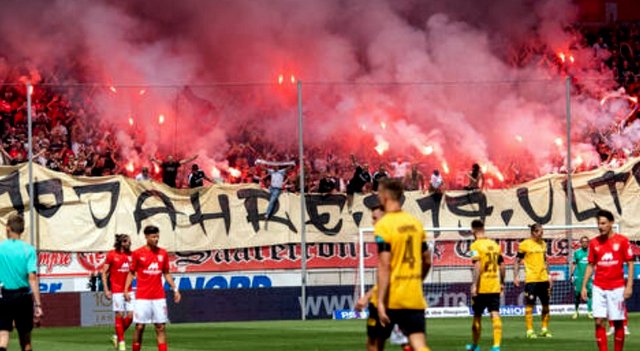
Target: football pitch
point(329, 335)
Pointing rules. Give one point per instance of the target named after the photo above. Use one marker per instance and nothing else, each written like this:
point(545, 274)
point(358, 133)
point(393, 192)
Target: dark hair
point(151, 229)
point(584, 237)
point(194, 167)
point(15, 223)
point(606, 214)
point(477, 224)
point(534, 227)
point(475, 170)
point(120, 238)
point(394, 187)
point(377, 207)
point(436, 172)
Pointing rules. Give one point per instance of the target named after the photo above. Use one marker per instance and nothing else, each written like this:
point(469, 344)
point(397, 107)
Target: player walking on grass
point(487, 285)
point(533, 252)
point(404, 261)
point(607, 254)
point(148, 264)
point(376, 333)
point(116, 269)
point(579, 266)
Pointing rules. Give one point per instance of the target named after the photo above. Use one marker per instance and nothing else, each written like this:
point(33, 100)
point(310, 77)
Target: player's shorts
point(608, 304)
point(409, 321)
point(375, 330)
point(16, 306)
point(120, 304)
point(481, 302)
point(540, 290)
point(150, 311)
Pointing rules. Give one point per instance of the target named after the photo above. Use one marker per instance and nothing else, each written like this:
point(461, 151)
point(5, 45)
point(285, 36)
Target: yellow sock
point(546, 316)
point(425, 349)
point(497, 331)
point(476, 329)
point(528, 317)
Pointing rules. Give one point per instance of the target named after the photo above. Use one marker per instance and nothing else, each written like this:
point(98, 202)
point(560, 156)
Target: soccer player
point(117, 267)
point(376, 333)
point(19, 287)
point(537, 285)
point(579, 266)
point(148, 264)
point(404, 260)
point(607, 254)
point(488, 284)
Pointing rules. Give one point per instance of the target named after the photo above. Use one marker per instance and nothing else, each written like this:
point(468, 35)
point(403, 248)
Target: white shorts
point(150, 312)
point(608, 303)
point(120, 304)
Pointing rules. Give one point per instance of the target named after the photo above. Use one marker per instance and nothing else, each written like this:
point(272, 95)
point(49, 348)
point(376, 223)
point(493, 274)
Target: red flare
point(130, 167)
point(161, 119)
point(281, 79)
point(234, 172)
point(113, 89)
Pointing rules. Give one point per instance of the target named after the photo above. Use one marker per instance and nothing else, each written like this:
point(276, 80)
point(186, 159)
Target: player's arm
point(32, 266)
point(362, 301)
point(503, 271)
point(546, 266)
point(628, 290)
point(384, 273)
point(572, 270)
point(187, 160)
point(127, 285)
point(516, 268)
point(475, 277)
point(176, 293)
point(105, 270)
point(426, 260)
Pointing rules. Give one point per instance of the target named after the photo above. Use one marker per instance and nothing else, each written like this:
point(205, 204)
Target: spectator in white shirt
point(436, 184)
point(144, 175)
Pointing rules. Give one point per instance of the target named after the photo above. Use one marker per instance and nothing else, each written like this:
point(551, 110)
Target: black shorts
point(16, 306)
point(540, 290)
point(409, 322)
point(481, 302)
point(352, 189)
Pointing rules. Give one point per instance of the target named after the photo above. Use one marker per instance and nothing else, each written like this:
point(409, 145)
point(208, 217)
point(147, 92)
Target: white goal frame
point(362, 231)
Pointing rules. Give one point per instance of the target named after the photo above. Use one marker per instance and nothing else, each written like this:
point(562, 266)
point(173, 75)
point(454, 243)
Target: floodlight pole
point(568, 205)
point(303, 232)
point(32, 221)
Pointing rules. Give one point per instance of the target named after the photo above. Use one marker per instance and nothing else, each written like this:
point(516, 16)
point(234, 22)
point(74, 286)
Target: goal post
point(448, 282)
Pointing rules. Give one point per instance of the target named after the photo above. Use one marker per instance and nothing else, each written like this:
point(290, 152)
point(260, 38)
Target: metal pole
point(32, 220)
point(361, 261)
point(568, 207)
point(303, 233)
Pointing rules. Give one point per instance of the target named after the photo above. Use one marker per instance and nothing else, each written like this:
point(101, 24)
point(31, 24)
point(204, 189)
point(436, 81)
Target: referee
point(19, 287)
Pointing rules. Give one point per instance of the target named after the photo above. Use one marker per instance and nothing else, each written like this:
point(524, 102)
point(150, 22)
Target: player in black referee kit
point(19, 287)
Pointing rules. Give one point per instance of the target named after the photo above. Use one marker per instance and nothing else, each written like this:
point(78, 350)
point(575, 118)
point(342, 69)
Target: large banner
point(80, 214)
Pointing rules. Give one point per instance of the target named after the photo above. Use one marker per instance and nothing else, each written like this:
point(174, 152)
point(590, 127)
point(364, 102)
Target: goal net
point(447, 286)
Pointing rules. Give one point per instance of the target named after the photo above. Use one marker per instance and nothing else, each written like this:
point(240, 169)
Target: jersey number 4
point(408, 256)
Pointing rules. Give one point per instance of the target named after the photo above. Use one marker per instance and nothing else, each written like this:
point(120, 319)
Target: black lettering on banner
point(195, 258)
point(241, 255)
point(636, 172)
point(580, 215)
point(506, 216)
point(11, 185)
point(432, 203)
point(455, 204)
point(140, 214)
point(462, 248)
point(610, 179)
point(46, 187)
point(320, 221)
point(199, 217)
point(326, 250)
point(111, 187)
point(525, 203)
point(250, 197)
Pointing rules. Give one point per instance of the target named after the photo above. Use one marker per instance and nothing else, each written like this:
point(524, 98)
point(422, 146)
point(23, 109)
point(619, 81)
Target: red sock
point(162, 347)
point(611, 324)
point(619, 339)
point(136, 346)
point(119, 328)
point(601, 338)
point(407, 348)
point(127, 322)
point(626, 317)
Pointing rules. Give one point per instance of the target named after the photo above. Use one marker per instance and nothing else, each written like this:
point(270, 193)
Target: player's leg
point(600, 315)
point(6, 324)
point(160, 319)
point(616, 310)
point(590, 300)
point(136, 343)
point(530, 303)
point(377, 335)
point(478, 306)
point(544, 293)
point(141, 316)
point(24, 320)
point(413, 325)
point(577, 298)
point(4, 340)
point(496, 321)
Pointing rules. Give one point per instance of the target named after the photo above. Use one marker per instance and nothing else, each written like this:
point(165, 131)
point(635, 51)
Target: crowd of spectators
point(69, 137)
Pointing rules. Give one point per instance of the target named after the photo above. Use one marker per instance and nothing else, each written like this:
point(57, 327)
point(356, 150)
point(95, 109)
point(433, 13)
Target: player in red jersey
point(607, 254)
point(116, 269)
point(148, 264)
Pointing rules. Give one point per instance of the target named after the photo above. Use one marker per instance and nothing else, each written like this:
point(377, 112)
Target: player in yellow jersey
point(487, 285)
point(404, 261)
point(533, 252)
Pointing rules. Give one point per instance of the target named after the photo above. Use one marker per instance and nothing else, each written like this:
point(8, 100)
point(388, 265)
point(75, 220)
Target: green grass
point(327, 335)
